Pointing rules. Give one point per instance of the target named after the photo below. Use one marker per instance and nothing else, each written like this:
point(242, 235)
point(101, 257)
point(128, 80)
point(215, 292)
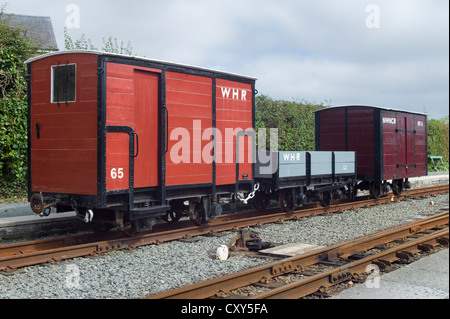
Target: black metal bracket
point(238, 136)
point(128, 130)
point(38, 131)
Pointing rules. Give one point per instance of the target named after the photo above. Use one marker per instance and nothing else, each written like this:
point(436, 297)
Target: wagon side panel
point(421, 152)
point(189, 106)
point(362, 139)
point(390, 145)
point(234, 114)
point(63, 131)
point(132, 101)
point(331, 133)
point(410, 134)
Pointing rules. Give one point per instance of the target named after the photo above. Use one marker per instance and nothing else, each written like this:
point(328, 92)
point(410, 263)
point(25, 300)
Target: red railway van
point(390, 144)
point(111, 133)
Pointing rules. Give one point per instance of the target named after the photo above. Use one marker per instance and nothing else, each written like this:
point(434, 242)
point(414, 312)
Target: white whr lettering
point(234, 94)
point(226, 93)
point(244, 95)
point(292, 157)
point(389, 120)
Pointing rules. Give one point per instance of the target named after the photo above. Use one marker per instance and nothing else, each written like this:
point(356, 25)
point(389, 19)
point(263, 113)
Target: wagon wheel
point(198, 217)
point(196, 213)
point(127, 227)
point(172, 217)
point(137, 227)
point(397, 187)
point(325, 199)
point(131, 230)
point(102, 228)
point(352, 191)
point(375, 190)
point(286, 199)
point(261, 201)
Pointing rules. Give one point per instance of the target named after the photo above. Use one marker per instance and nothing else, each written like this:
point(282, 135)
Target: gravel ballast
point(153, 269)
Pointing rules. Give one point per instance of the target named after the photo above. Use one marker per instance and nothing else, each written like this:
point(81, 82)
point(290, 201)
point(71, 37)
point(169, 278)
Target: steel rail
point(25, 254)
point(352, 248)
point(244, 278)
point(50, 243)
point(327, 279)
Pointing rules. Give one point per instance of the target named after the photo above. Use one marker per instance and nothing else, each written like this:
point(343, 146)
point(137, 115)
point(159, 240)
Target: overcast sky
point(388, 53)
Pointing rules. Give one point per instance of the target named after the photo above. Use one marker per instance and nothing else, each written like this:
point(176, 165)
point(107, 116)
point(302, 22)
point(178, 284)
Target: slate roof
point(39, 29)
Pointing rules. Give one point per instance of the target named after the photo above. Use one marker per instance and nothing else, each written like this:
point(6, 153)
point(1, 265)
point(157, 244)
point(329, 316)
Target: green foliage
point(14, 50)
point(438, 139)
point(295, 122)
point(110, 45)
point(80, 44)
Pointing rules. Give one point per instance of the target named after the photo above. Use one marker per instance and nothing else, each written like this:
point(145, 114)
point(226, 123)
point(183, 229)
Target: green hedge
point(14, 50)
point(295, 122)
point(438, 139)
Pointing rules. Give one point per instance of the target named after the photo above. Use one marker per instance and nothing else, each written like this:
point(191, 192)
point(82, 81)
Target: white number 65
point(117, 173)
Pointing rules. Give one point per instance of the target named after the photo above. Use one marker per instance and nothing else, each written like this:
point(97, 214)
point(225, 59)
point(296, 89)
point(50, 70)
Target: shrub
point(438, 139)
point(15, 48)
point(295, 122)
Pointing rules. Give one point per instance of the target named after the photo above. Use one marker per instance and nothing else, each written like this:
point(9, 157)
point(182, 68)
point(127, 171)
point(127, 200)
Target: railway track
point(15, 256)
point(344, 262)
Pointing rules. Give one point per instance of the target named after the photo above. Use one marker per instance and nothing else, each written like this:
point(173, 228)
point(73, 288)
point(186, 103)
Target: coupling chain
point(252, 194)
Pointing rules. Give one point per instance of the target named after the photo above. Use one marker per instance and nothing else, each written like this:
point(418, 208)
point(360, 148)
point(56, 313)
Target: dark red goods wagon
point(132, 139)
point(390, 144)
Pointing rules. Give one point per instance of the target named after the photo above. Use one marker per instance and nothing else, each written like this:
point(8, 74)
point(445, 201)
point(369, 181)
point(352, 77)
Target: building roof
point(38, 29)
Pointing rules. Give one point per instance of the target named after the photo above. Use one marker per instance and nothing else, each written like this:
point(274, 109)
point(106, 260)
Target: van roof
point(136, 58)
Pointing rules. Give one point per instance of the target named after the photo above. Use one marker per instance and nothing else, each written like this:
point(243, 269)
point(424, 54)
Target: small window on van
point(63, 83)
